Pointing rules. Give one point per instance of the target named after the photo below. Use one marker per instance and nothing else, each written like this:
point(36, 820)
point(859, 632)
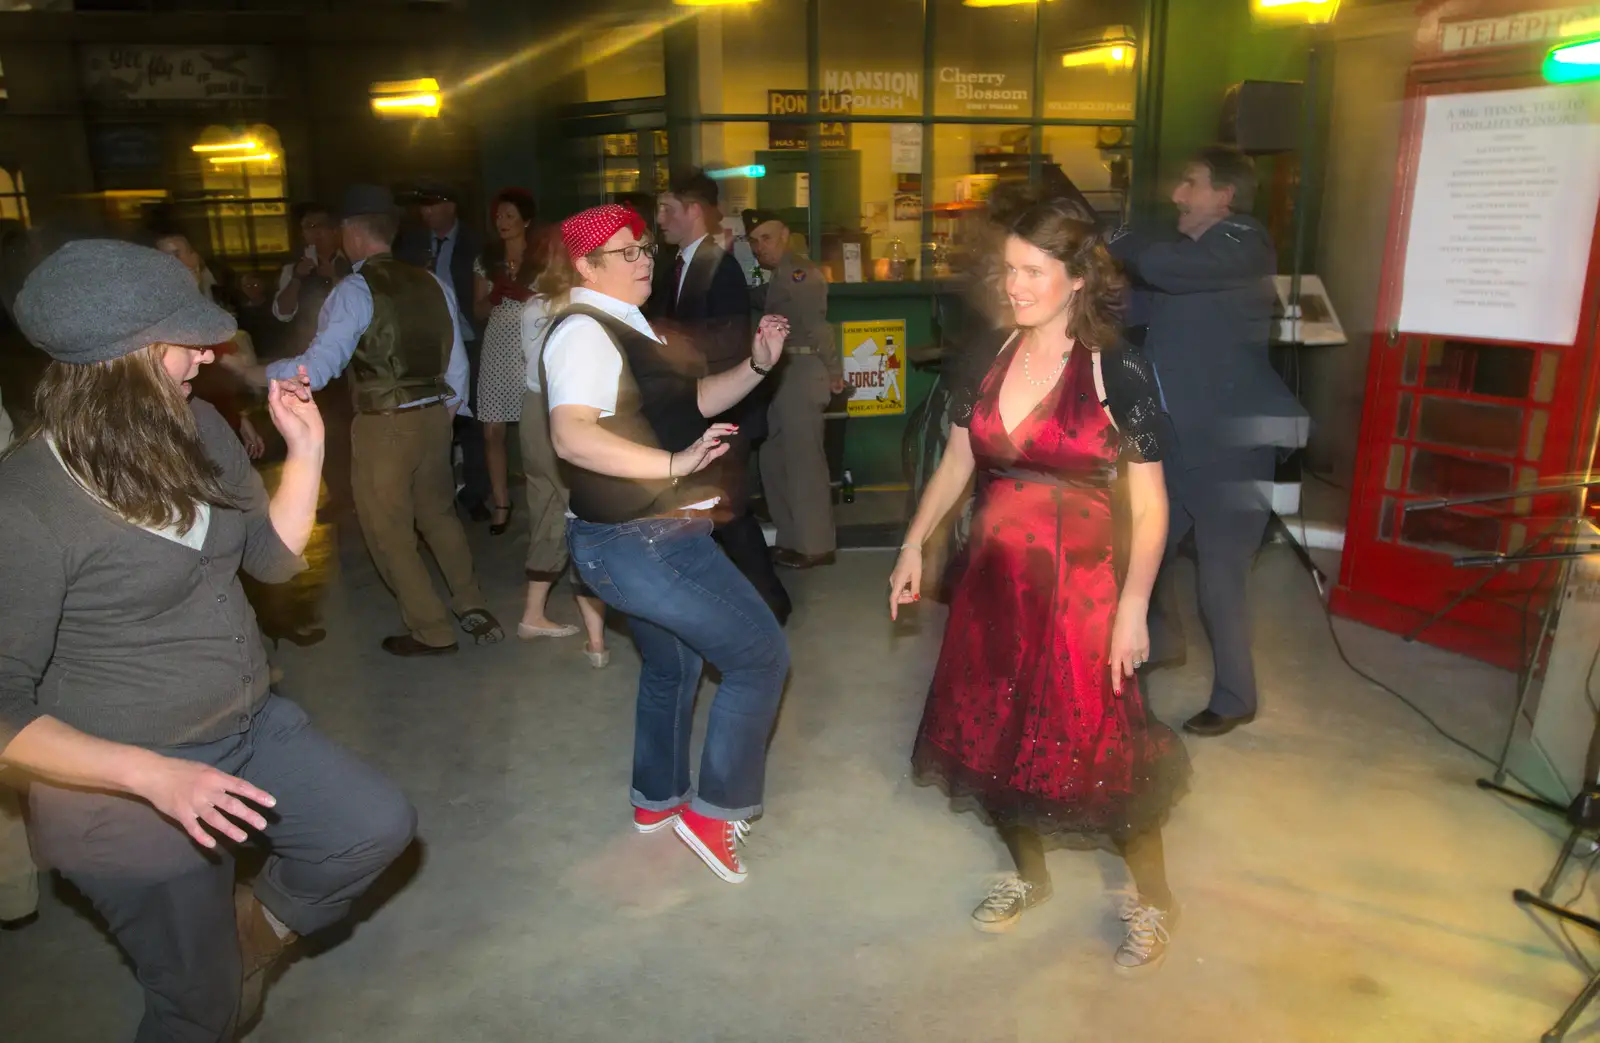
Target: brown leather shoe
point(793, 559)
point(259, 948)
point(406, 645)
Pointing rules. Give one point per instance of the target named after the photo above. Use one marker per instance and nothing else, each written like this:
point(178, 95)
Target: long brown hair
point(1058, 227)
point(125, 430)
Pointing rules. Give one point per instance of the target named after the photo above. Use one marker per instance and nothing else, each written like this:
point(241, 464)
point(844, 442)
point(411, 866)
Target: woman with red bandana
point(629, 422)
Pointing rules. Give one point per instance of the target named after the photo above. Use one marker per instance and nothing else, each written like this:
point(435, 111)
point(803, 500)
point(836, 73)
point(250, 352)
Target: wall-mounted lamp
point(227, 146)
point(1574, 61)
point(754, 170)
point(259, 157)
point(1116, 51)
point(416, 99)
point(1306, 12)
point(715, 3)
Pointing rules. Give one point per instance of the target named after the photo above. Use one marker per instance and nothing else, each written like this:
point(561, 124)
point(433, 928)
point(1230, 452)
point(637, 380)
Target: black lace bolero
point(1132, 393)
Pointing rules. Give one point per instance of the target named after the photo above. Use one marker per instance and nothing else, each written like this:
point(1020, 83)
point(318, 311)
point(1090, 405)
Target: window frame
point(688, 117)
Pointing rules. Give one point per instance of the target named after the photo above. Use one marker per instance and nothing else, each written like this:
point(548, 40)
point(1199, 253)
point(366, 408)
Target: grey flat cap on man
point(95, 300)
point(361, 200)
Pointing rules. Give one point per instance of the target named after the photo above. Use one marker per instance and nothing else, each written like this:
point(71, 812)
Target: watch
point(759, 369)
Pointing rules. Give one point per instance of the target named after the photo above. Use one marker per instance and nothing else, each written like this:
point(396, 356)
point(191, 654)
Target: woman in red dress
point(1035, 714)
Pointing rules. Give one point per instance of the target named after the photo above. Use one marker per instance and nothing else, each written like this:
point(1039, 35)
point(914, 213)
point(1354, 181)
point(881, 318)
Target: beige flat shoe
point(528, 633)
point(599, 660)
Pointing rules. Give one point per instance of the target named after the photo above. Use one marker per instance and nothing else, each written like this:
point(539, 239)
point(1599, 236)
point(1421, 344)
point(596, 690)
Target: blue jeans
point(687, 605)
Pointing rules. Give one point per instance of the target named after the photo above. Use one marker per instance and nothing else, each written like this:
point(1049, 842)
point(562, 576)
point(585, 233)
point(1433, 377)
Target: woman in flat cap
point(133, 683)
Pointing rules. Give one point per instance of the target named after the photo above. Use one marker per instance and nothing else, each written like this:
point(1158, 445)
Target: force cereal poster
point(874, 367)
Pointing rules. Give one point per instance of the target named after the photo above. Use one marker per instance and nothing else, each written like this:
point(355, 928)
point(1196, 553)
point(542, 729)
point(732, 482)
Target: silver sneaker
point(1149, 935)
point(1006, 902)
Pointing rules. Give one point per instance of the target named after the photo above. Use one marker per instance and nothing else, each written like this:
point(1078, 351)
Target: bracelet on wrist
point(911, 546)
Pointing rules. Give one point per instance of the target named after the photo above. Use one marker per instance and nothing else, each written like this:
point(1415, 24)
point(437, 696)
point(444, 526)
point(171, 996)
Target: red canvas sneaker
point(650, 821)
point(715, 841)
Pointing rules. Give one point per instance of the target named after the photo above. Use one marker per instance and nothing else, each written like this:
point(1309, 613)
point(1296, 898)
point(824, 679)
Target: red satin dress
point(1021, 719)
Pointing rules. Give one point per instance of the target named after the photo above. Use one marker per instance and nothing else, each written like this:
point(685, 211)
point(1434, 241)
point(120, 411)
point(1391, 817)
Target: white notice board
point(1502, 214)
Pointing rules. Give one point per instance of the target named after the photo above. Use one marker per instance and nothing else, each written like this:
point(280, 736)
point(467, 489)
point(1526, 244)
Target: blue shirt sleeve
point(344, 318)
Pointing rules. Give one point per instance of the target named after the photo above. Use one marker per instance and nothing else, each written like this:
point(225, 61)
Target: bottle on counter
point(897, 260)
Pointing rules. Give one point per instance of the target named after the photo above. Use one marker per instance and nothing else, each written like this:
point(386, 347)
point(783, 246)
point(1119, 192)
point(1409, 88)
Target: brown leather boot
point(259, 948)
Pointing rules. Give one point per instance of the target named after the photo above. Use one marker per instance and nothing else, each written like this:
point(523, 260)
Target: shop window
point(983, 60)
point(13, 197)
point(1097, 160)
point(753, 58)
point(1091, 54)
point(627, 62)
point(759, 165)
point(872, 57)
point(241, 182)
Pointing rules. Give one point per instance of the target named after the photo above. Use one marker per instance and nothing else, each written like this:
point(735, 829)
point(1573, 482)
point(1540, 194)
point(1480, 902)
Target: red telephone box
point(1467, 403)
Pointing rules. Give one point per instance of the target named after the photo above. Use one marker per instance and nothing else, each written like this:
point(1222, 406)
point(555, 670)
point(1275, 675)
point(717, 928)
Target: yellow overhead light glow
point(1312, 12)
point(227, 146)
point(1002, 3)
point(259, 157)
point(425, 85)
point(424, 105)
point(1112, 54)
point(715, 3)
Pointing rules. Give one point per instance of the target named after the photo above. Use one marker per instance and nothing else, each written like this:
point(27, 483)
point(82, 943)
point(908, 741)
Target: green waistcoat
point(404, 353)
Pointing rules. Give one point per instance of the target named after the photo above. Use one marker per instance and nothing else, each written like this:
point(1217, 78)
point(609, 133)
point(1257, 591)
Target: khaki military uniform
point(794, 464)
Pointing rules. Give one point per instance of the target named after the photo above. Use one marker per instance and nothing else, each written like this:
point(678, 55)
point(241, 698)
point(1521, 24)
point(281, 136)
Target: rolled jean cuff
point(658, 805)
point(700, 807)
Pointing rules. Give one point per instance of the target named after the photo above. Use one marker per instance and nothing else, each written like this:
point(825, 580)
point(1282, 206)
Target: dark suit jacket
point(1208, 302)
point(415, 246)
point(713, 313)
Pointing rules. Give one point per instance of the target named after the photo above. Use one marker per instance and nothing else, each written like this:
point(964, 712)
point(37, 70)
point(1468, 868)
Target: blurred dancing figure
point(630, 422)
point(133, 683)
point(1207, 298)
point(1035, 715)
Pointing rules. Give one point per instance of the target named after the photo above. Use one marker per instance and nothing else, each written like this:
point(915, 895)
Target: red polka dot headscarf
point(588, 230)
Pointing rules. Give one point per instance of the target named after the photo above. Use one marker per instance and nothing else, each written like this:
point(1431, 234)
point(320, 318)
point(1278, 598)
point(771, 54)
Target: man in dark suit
point(448, 247)
point(1207, 297)
point(701, 295)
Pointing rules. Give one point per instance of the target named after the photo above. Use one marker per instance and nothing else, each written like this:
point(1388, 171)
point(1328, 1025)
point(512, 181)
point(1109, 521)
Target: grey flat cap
point(359, 200)
point(100, 299)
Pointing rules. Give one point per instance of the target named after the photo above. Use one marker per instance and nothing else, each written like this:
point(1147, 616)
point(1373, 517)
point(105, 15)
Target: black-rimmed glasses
point(632, 251)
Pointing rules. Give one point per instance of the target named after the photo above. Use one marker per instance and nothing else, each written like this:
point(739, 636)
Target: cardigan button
point(221, 598)
point(205, 561)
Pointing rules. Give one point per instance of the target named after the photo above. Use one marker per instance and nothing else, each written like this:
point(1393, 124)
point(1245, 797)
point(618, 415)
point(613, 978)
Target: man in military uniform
point(1207, 297)
point(396, 329)
point(794, 465)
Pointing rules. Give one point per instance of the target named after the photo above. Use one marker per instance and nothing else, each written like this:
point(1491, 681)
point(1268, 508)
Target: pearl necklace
point(1027, 373)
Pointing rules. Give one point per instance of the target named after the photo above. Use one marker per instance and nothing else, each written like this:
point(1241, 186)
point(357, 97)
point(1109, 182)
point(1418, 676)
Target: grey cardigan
point(121, 633)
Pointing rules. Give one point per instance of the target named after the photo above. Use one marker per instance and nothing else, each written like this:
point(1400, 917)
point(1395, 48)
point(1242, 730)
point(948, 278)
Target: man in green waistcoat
point(395, 328)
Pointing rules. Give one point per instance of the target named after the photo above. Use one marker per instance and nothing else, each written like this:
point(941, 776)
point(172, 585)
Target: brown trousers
point(401, 477)
point(794, 463)
point(547, 498)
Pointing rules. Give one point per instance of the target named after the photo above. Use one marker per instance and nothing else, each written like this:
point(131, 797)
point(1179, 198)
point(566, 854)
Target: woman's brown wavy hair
point(126, 431)
point(1059, 228)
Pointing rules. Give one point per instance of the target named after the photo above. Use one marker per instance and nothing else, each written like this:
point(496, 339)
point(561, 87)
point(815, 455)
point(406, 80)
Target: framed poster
point(874, 367)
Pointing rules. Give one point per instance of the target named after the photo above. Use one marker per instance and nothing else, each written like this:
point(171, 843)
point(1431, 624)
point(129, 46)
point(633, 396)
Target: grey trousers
point(336, 826)
point(19, 877)
point(794, 462)
point(1227, 505)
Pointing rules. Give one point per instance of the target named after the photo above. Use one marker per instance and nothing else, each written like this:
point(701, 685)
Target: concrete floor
point(1341, 878)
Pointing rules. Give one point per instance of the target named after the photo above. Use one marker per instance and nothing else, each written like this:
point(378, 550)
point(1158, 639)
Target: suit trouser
point(400, 474)
point(1226, 504)
point(337, 824)
point(19, 877)
point(794, 460)
point(739, 534)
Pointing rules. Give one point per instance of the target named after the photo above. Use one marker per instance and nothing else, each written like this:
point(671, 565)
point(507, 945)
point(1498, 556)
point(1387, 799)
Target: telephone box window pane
point(1440, 474)
point(1480, 369)
point(1544, 388)
point(1397, 467)
point(1413, 362)
point(1386, 519)
point(1445, 530)
point(1402, 426)
point(1470, 425)
point(1538, 423)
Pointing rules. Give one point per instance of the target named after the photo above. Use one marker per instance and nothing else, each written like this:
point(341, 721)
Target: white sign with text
point(1502, 215)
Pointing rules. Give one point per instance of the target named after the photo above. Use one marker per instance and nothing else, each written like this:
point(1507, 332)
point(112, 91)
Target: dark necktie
point(438, 251)
point(677, 279)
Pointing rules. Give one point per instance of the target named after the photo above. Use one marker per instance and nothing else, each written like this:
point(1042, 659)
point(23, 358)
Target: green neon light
point(754, 170)
point(1573, 62)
